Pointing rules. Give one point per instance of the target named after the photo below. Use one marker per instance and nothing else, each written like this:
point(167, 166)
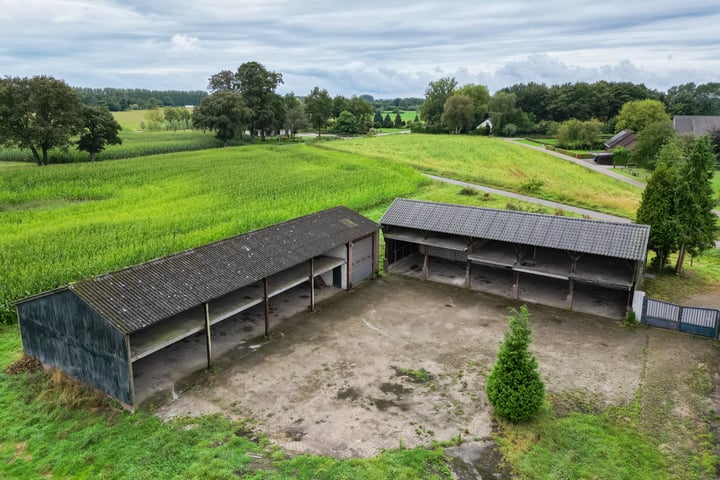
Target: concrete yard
point(336, 381)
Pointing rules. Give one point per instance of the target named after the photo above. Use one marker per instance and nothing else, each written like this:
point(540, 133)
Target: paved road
point(547, 203)
point(604, 169)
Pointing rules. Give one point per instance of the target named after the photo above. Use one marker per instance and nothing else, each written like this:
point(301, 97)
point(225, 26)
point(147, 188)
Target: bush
point(514, 386)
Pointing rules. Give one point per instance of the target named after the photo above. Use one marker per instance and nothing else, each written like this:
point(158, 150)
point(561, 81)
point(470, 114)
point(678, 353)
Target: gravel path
point(604, 169)
point(568, 208)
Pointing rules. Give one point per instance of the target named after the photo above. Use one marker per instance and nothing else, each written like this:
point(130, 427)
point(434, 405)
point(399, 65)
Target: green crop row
point(134, 144)
point(65, 222)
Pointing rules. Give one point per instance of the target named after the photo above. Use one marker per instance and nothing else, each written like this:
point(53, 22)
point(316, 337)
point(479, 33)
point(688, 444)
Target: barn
point(97, 329)
point(571, 263)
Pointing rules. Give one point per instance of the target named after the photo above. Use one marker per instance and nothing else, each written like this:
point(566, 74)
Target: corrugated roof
point(696, 124)
point(138, 296)
point(623, 138)
point(611, 239)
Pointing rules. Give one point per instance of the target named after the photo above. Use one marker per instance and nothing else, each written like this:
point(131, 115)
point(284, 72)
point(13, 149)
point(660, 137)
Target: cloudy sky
point(387, 49)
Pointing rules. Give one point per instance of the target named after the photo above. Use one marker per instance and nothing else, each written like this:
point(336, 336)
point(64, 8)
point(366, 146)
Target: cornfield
point(62, 223)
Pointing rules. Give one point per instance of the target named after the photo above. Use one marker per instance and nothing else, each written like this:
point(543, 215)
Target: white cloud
point(180, 44)
point(361, 47)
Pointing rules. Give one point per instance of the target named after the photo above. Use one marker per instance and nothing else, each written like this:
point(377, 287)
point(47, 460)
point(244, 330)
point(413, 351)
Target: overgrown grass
point(496, 162)
point(66, 222)
point(580, 445)
point(443, 192)
point(643, 175)
point(56, 428)
point(699, 275)
point(7, 164)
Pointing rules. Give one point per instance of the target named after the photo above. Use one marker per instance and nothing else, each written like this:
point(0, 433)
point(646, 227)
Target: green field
point(408, 116)
point(130, 119)
point(65, 222)
point(498, 163)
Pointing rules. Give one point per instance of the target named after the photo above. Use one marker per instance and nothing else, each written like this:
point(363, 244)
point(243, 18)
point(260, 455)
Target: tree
point(459, 113)
point(695, 201)
point(503, 112)
point(318, 106)
point(224, 113)
point(480, 97)
point(436, 95)
point(638, 114)
point(295, 119)
point(339, 105)
point(257, 86)
point(38, 113)
point(399, 121)
point(649, 142)
point(658, 207)
point(99, 129)
point(514, 386)
point(155, 119)
point(576, 134)
point(377, 119)
point(387, 121)
point(568, 134)
point(346, 123)
point(715, 141)
point(362, 110)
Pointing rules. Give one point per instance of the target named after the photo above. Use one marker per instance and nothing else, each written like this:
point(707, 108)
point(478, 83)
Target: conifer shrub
point(514, 386)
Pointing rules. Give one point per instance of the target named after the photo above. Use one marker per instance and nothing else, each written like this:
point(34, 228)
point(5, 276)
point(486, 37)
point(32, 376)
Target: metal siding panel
point(362, 260)
point(63, 332)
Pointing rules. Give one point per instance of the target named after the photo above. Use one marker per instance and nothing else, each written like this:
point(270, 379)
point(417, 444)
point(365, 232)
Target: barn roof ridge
point(140, 295)
point(624, 240)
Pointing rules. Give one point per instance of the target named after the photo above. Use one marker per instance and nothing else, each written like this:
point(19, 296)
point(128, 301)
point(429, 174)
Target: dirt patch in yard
point(400, 360)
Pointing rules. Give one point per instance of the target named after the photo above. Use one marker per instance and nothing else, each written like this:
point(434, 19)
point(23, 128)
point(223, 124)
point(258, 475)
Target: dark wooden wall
point(62, 331)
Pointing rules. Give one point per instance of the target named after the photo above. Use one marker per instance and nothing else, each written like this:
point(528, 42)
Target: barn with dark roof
point(96, 329)
point(573, 263)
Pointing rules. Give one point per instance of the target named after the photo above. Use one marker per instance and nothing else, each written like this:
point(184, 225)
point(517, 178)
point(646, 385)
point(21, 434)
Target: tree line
point(246, 100)
point(535, 108)
point(121, 99)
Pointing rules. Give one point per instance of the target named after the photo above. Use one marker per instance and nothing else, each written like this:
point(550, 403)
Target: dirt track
point(332, 382)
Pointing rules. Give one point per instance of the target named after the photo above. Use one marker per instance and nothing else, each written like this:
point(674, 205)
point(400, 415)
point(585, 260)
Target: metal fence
point(697, 320)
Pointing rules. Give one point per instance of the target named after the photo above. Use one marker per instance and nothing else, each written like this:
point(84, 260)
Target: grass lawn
point(499, 163)
point(408, 116)
point(643, 175)
point(130, 119)
point(700, 274)
point(5, 164)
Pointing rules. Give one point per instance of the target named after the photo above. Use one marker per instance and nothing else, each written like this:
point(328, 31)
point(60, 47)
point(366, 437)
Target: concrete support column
point(467, 274)
point(516, 285)
point(267, 305)
point(571, 291)
point(426, 263)
point(208, 339)
point(312, 284)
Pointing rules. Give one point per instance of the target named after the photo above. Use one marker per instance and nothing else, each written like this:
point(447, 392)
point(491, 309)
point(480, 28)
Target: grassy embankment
point(497, 163)
point(643, 175)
